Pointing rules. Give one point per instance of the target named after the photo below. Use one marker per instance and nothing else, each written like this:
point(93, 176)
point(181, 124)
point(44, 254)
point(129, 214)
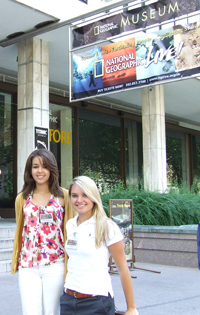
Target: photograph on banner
point(152, 53)
point(121, 212)
point(160, 56)
point(141, 16)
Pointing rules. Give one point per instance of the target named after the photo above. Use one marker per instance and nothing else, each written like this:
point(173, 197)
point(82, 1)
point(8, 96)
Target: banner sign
point(140, 17)
point(41, 138)
point(164, 55)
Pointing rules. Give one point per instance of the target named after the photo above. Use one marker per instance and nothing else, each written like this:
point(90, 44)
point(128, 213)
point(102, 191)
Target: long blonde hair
point(88, 186)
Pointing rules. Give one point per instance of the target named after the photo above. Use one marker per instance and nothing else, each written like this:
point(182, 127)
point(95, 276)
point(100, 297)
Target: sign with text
point(41, 138)
point(168, 54)
point(140, 17)
point(121, 212)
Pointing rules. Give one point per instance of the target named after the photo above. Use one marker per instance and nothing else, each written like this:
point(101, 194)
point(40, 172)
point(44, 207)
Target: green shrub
point(179, 206)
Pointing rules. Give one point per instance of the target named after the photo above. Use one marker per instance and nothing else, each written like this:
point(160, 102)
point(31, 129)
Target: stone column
point(66, 147)
point(154, 142)
point(33, 97)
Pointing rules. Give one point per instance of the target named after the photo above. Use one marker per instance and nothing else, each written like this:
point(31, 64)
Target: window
point(176, 157)
point(99, 145)
point(6, 151)
point(134, 152)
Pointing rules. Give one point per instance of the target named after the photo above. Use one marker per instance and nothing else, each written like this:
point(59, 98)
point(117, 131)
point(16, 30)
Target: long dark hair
point(51, 164)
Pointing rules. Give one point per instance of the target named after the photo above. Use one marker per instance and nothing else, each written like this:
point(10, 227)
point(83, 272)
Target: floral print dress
point(42, 242)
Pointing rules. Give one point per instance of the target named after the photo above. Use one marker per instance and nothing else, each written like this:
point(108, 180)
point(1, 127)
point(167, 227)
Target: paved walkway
point(174, 291)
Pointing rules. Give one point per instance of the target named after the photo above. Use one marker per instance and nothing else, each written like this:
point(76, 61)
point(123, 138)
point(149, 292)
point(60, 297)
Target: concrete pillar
point(154, 142)
point(33, 97)
point(66, 147)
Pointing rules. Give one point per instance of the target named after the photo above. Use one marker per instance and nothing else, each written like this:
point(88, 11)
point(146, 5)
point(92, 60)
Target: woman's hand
point(132, 312)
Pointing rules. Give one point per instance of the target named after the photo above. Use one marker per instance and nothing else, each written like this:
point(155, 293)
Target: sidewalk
point(174, 291)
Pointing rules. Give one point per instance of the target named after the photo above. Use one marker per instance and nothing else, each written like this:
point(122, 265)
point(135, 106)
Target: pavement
point(158, 289)
point(174, 291)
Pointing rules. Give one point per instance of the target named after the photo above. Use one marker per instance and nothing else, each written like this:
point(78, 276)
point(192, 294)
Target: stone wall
point(167, 245)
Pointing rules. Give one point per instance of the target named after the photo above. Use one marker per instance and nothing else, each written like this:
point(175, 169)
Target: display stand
point(121, 212)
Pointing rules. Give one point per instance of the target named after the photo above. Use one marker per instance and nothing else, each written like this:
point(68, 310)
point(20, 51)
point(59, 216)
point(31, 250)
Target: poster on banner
point(168, 54)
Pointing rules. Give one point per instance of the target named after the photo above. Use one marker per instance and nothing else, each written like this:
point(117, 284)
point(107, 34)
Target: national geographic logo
point(96, 30)
point(99, 29)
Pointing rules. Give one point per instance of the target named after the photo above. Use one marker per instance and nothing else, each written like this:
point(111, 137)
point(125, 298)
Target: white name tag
point(71, 244)
point(46, 217)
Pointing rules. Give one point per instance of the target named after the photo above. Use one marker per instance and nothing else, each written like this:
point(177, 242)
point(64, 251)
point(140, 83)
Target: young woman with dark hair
point(41, 212)
point(50, 163)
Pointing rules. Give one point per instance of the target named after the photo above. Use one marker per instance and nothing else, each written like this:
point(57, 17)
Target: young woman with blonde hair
point(91, 238)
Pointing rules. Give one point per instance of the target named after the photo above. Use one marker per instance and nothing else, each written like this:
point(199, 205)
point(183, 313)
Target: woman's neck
point(41, 189)
point(41, 195)
point(82, 218)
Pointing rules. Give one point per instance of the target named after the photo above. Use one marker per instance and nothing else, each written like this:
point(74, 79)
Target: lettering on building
point(60, 136)
point(150, 14)
point(53, 118)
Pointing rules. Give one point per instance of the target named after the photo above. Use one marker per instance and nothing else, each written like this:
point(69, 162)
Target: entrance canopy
point(181, 98)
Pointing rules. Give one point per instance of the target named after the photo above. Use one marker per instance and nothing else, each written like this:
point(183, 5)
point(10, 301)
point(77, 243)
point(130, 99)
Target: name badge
point(46, 217)
point(71, 244)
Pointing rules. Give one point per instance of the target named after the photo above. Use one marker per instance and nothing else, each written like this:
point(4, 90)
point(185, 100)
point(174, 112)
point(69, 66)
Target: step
point(7, 232)
point(6, 254)
point(5, 266)
point(6, 243)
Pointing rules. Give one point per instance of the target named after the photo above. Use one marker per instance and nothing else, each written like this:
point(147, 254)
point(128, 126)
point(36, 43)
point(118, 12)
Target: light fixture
point(13, 35)
point(120, 113)
point(45, 23)
point(84, 104)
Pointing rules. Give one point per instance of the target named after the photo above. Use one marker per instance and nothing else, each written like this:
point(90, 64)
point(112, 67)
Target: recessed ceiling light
point(15, 34)
point(45, 23)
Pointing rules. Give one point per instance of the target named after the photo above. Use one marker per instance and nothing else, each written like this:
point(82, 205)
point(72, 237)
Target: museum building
point(146, 136)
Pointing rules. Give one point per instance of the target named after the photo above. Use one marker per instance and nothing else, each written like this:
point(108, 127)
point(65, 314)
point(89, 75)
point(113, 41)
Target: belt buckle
point(75, 294)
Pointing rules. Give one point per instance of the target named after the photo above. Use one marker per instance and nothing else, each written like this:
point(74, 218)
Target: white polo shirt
point(88, 265)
